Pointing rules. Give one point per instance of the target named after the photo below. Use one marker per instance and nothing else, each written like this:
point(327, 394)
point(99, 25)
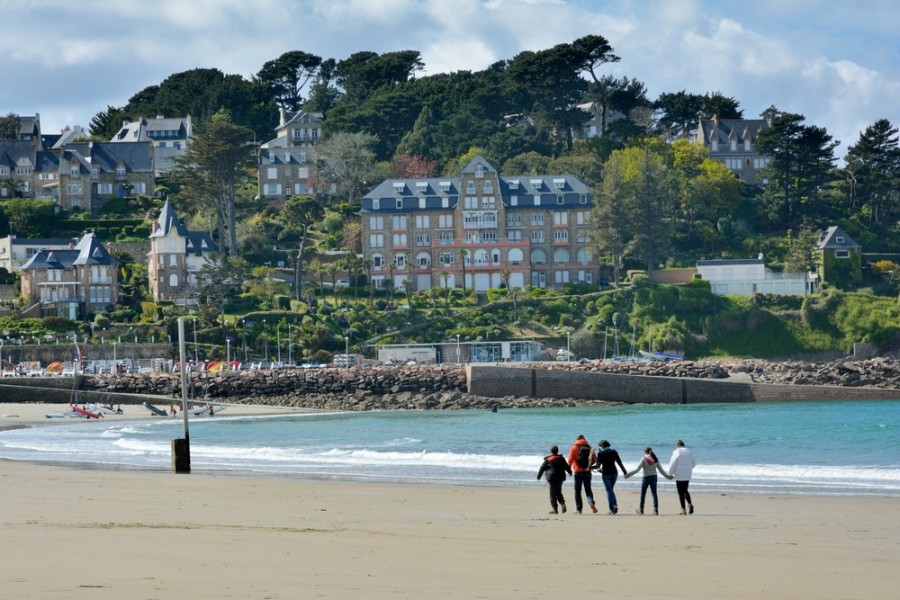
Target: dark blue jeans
point(649, 481)
point(609, 482)
point(583, 479)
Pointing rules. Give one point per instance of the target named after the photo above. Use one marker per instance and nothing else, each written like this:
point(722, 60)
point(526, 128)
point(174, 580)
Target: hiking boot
point(690, 509)
point(615, 510)
point(593, 508)
point(563, 505)
point(640, 511)
point(578, 511)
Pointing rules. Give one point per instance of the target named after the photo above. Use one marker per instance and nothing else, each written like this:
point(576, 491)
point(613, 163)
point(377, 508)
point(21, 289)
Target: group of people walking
point(583, 459)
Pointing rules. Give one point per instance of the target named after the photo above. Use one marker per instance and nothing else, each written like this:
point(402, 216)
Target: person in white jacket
point(681, 466)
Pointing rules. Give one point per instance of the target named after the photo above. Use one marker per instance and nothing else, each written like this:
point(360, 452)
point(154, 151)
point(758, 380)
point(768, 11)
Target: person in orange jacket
point(581, 459)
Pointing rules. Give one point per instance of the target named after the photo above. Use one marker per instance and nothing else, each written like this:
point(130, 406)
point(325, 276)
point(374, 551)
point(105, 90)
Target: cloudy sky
point(837, 63)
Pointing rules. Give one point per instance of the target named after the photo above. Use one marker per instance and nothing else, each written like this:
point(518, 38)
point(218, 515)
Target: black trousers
point(683, 493)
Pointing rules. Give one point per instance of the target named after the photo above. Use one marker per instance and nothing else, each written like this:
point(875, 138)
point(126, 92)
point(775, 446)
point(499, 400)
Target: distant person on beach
point(681, 466)
point(649, 465)
point(554, 469)
point(607, 459)
point(582, 459)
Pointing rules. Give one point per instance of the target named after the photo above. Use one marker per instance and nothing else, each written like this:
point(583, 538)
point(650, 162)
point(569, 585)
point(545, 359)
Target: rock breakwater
point(443, 387)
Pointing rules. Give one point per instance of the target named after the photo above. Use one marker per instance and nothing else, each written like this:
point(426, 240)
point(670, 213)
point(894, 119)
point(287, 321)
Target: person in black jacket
point(607, 459)
point(554, 469)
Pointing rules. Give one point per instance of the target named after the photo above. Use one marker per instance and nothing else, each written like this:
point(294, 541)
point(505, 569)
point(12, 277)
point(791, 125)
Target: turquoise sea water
point(797, 448)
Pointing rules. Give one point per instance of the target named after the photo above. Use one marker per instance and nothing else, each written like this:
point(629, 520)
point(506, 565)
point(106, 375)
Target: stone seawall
point(491, 381)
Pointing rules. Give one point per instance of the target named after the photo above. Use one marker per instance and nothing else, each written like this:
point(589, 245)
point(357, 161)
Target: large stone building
point(177, 256)
point(287, 163)
point(732, 142)
point(481, 230)
point(77, 175)
point(72, 283)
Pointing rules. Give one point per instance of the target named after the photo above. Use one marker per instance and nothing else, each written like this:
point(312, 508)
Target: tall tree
point(802, 159)
point(212, 167)
point(552, 79)
point(705, 188)
point(873, 164)
point(717, 104)
point(365, 72)
point(299, 214)
point(9, 127)
point(630, 213)
point(679, 114)
point(349, 162)
point(286, 76)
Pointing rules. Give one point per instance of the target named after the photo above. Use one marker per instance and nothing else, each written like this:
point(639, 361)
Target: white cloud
point(833, 63)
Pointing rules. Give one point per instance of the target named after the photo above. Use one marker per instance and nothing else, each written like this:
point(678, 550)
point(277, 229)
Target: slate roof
point(88, 251)
point(197, 243)
point(11, 151)
point(136, 156)
point(835, 238)
point(430, 193)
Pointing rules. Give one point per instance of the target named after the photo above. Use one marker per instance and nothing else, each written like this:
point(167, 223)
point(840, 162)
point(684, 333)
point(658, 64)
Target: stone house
point(287, 163)
point(75, 174)
point(481, 230)
point(170, 138)
point(732, 142)
point(176, 259)
point(72, 283)
point(840, 258)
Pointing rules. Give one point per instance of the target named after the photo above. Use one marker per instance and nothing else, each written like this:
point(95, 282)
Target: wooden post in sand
point(181, 447)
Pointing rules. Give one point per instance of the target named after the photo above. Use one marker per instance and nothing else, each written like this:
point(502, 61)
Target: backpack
point(583, 458)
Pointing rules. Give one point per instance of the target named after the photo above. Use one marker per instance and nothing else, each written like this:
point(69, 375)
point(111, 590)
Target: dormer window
point(747, 145)
point(399, 187)
point(714, 145)
point(536, 183)
point(733, 145)
point(559, 183)
point(445, 186)
point(479, 171)
point(422, 186)
point(514, 184)
point(839, 239)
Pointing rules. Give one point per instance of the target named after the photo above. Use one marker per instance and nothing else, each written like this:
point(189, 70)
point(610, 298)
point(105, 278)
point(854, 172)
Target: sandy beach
point(78, 533)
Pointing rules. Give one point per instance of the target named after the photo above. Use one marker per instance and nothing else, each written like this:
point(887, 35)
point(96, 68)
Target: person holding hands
point(649, 465)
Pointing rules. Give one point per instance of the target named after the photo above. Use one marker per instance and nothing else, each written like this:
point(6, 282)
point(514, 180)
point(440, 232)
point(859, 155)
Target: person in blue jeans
point(607, 459)
point(582, 459)
point(649, 465)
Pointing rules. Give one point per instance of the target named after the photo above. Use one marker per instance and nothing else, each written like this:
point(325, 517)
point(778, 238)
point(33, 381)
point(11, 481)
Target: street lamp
point(228, 350)
point(347, 350)
point(568, 345)
point(457, 348)
point(278, 340)
point(1, 358)
point(290, 347)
